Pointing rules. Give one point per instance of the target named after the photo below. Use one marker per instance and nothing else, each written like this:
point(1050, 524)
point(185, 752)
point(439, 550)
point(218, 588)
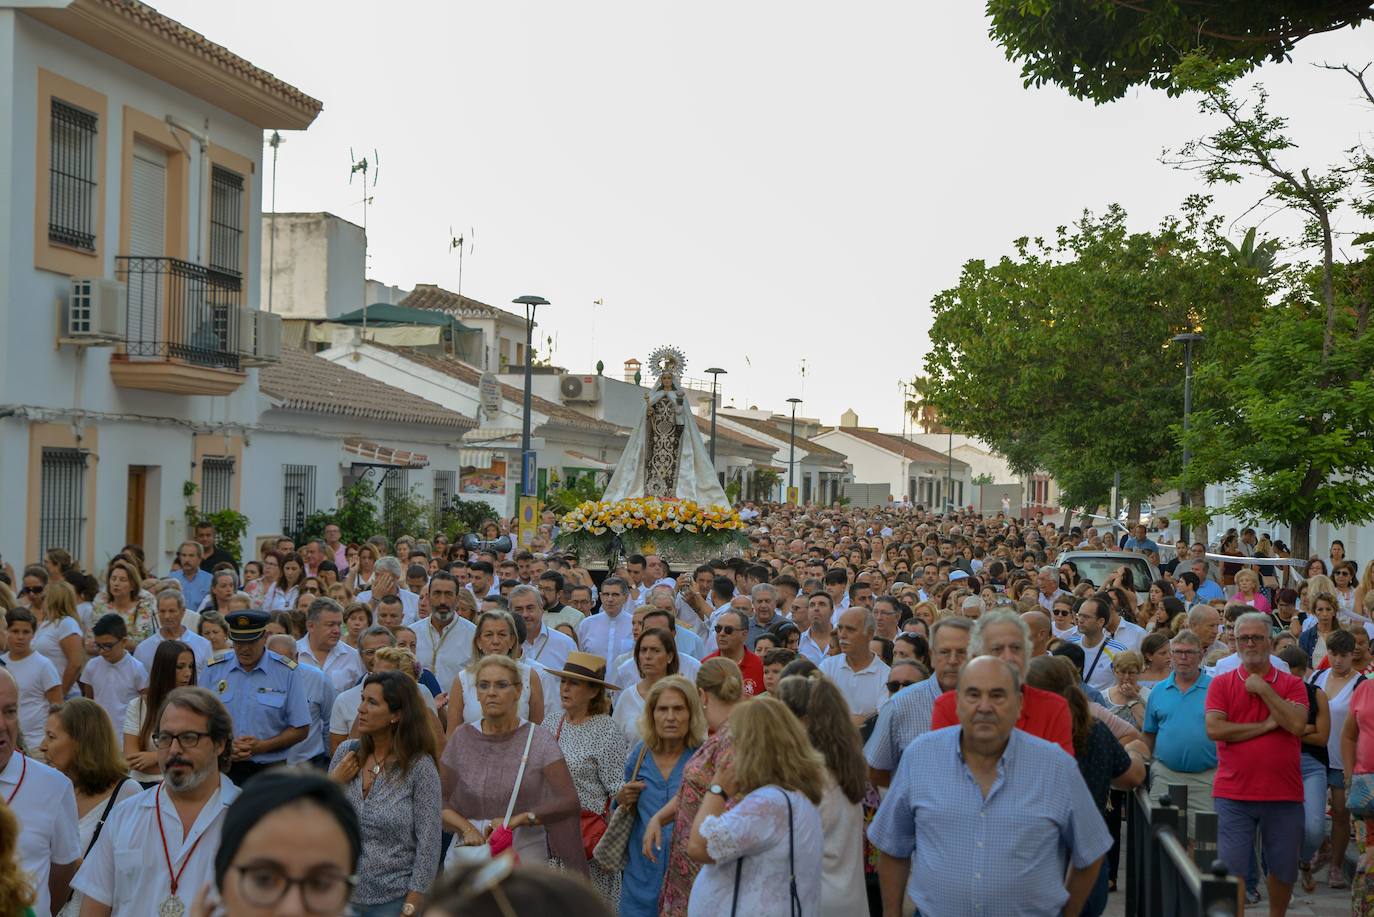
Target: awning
point(591, 461)
point(385, 314)
point(374, 454)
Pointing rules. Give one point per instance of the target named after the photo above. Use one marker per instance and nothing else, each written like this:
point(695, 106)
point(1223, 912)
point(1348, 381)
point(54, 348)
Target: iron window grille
point(226, 222)
point(298, 497)
point(443, 488)
point(62, 500)
point(396, 484)
point(216, 484)
point(71, 176)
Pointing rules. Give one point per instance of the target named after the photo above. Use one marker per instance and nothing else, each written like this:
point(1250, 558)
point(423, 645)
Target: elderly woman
point(495, 636)
point(655, 656)
point(390, 777)
point(505, 764)
point(594, 748)
point(1248, 591)
point(720, 686)
point(671, 727)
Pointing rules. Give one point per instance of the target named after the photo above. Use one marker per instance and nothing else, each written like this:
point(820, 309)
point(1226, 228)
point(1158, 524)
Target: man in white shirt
point(859, 674)
point(386, 580)
point(815, 640)
point(1098, 648)
point(346, 703)
point(610, 632)
point(322, 648)
point(43, 801)
point(126, 871)
point(443, 641)
point(319, 695)
point(171, 610)
point(543, 645)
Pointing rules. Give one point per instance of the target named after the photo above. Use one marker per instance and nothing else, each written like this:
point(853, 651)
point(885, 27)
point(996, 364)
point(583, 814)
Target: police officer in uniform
point(263, 695)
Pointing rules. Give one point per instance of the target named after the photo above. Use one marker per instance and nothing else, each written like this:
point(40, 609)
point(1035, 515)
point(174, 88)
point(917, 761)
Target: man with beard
point(443, 641)
point(166, 836)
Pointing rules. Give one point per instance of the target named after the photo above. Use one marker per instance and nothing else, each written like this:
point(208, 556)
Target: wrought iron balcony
point(179, 311)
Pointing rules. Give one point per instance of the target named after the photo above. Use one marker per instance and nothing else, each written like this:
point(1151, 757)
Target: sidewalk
point(1324, 902)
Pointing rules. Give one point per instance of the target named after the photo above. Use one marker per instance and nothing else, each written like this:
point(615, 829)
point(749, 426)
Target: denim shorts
point(1280, 825)
point(1335, 778)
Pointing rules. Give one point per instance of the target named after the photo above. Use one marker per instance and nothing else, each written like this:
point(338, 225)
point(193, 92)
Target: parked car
point(1096, 566)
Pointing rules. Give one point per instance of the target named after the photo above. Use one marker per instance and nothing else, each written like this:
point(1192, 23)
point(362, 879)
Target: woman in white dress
point(495, 636)
point(79, 741)
point(772, 836)
point(655, 655)
point(59, 638)
point(825, 716)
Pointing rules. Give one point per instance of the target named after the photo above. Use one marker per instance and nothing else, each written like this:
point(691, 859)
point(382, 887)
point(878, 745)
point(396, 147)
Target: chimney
point(849, 419)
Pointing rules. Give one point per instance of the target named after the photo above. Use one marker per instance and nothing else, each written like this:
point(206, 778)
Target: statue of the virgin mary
point(666, 456)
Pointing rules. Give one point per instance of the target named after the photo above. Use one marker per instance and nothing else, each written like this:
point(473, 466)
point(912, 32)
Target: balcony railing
point(181, 311)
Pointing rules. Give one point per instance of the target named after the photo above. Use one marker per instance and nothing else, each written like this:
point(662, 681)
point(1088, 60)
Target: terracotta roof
point(385, 455)
point(778, 430)
point(899, 445)
point(433, 296)
point(466, 372)
point(728, 435)
point(306, 382)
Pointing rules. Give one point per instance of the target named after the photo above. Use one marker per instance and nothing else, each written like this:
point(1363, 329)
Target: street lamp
point(715, 372)
point(792, 444)
point(527, 486)
point(1187, 340)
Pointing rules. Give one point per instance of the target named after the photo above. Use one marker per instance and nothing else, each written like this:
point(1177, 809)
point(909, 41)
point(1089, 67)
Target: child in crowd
point(114, 677)
point(40, 685)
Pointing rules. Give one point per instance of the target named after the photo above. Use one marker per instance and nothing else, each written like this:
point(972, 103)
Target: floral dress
point(141, 620)
point(697, 777)
point(595, 750)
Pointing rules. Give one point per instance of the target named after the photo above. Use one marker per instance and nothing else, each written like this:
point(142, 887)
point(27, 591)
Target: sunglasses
point(894, 686)
point(31, 590)
point(726, 629)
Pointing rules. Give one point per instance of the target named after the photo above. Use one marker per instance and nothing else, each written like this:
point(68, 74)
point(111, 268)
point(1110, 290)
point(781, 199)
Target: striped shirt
point(1097, 661)
point(1004, 854)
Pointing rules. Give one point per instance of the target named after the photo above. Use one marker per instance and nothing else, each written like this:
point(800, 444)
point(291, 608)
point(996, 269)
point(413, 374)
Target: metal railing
point(181, 311)
point(1165, 875)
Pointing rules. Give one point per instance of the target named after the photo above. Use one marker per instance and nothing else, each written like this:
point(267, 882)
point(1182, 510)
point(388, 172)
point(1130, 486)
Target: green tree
point(355, 515)
point(1101, 49)
point(1060, 356)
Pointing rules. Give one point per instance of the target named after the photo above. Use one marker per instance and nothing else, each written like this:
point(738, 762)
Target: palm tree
point(1259, 258)
point(922, 412)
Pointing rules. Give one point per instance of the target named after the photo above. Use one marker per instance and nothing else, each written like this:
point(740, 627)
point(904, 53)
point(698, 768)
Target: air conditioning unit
point(580, 389)
point(259, 337)
point(94, 313)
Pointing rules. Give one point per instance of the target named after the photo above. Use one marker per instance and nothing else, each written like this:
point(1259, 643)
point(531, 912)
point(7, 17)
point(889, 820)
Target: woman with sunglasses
point(31, 588)
point(1062, 618)
point(1343, 575)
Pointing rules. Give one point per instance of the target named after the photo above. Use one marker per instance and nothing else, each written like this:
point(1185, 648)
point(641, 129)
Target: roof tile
point(897, 444)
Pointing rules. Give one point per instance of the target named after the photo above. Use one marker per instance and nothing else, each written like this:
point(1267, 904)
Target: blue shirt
point(194, 589)
point(264, 702)
point(1209, 590)
point(1178, 720)
point(905, 716)
point(1131, 544)
point(319, 696)
point(1005, 854)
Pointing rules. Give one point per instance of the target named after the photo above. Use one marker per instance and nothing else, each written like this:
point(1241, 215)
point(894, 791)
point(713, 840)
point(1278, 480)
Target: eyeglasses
point(726, 629)
point(1184, 653)
point(184, 739)
point(493, 685)
point(894, 686)
point(105, 647)
point(1251, 638)
point(324, 891)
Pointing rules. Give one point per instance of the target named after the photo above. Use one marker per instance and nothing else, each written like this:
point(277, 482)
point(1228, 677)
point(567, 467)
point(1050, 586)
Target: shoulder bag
point(794, 902)
point(612, 852)
point(593, 823)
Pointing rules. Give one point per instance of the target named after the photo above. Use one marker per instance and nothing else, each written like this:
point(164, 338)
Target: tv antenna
point(464, 243)
point(371, 169)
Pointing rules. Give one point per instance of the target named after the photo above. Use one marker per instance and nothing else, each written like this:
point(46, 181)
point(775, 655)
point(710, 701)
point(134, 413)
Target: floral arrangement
point(651, 525)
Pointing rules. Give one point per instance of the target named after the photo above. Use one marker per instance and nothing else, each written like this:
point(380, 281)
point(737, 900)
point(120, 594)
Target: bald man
point(1041, 632)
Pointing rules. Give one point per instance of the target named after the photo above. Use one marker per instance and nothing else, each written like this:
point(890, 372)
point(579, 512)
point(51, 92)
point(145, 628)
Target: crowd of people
point(868, 710)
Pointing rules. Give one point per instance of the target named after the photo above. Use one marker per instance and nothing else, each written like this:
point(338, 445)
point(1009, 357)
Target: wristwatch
point(718, 790)
point(407, 909)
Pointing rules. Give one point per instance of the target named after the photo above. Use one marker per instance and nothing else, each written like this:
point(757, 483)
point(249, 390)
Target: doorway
point(136, 501)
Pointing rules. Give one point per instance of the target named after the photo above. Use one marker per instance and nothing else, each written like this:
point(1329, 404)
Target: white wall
point(871, 465)
point(319, 265)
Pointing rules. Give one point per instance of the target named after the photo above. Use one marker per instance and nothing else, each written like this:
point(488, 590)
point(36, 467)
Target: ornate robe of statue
point(666, 456)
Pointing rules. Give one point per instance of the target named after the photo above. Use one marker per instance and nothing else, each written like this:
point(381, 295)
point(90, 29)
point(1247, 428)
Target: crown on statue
point(669, 360)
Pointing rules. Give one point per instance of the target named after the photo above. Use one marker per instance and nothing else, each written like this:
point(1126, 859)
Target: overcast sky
point(759, 183)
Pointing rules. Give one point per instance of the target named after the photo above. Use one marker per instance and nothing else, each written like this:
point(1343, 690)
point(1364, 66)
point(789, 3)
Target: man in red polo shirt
point(732, 630)
point(1003, 634)
point(1256, 715)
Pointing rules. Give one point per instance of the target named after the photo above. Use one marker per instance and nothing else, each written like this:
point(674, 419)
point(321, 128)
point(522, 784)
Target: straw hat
point(587, 667)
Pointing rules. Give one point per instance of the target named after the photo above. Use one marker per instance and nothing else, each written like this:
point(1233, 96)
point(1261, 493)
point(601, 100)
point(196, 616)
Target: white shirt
point(628, 707)
point(343, 665)
point(127, 868)
point(47, 642)
point(865, 689)
point(444, 653)
point(200, 649)
point(45, 805)
point(35, 677)
point(812, 650)
point(607, 636)
point(626, 674)
point(113, 685)
point(550, 648)
point(1228, 663)
point(1129, 635)
point(410, 604)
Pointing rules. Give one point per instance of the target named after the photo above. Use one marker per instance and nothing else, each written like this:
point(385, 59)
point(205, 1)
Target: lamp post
point(792, 445)
point(527, 484)
point(715, 373)
point(1187, 340)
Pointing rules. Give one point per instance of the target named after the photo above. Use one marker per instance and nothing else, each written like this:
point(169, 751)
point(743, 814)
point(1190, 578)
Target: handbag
point(612, 852)
point(794, 903)
point(593, 824)
point(1359, 799)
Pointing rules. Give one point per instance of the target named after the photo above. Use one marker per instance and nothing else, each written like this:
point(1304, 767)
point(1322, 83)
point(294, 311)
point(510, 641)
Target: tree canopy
point(1060, 357)
point(1100, 49)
